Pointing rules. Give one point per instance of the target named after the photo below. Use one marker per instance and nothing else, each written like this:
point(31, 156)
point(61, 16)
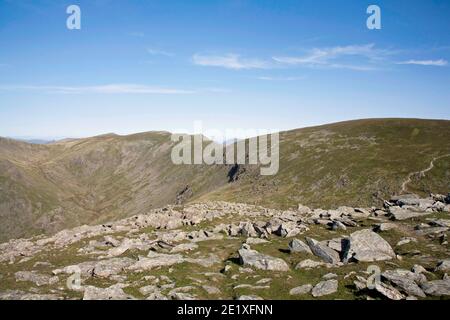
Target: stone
point(330, 276)
point(206, 262)
point(184, 247)
point(253, 258)
point(432, 231)
point(154, 260)
point(147, 290)
point(85, 269)
point(249, 297)
point(336, 244)
point(107, 268)
point(405, 240)
point(324, 288)
point(404, 283)
point(264, 281)
point(181, 296)
point(418, 269)
point(157, 296)
point(114, 292)
point(288, 229)
point(443, 265)
point(385, 226)
point(360, 213)
point(388, 291)
point(251, 287)
point(251, 241)
point(211, 290)
point(301, 209)
point(309, 264)
point(360, 285)
point(399, 214)
point(36, 278)
point(437, 287)
point(422, 203)
point(367, 246)
point(304, 289)
point(20, 295)
point(299, 246)
point(323, 251)
point(128, 244)
point(337, 225)
point(182, 293)
point(440, 223)
point(447, 199)
point(247, 229)
point(109, 240)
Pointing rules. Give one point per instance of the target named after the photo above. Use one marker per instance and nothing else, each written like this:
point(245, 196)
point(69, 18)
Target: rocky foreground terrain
point(220, 250)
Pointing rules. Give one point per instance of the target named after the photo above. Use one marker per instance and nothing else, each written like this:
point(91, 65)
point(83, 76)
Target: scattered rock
point(323, 251)
point(184, 247)
point(251, 241)
point(299, 246)
point(301, 290)
point(253, 258)
point(309, 264)
point(154, 260)
point(400, 214)
point(388, 291)
point(211, 290)
point(114, 292)
point(443, 265)
point(107, 268)
point(386, 226)
point(367, 246)
point(250, 297)
point(36, 278)
point(437, 287)
point(330, 276)
point(405, 281)
point(325, 288)
point(405, 240)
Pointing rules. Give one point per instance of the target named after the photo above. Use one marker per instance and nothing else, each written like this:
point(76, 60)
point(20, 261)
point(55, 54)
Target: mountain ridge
point(46, 188)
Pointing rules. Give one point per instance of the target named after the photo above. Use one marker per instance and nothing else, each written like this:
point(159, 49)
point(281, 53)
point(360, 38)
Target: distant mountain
point(37, 141)
point(46, 188)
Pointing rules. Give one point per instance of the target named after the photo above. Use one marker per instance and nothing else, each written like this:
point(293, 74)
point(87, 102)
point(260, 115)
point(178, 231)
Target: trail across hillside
point(420, 173)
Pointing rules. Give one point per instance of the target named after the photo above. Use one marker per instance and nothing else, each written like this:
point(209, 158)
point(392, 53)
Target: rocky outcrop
point(325, 288)
point(224, 250)
point(253, 258)
point(367, 246)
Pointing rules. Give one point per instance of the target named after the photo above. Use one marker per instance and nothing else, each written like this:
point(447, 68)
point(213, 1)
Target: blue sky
point(160, 65)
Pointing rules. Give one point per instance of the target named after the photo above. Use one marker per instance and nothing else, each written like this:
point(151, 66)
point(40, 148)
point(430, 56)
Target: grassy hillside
point(350, 163)
point(94, 180)
point(45, 188)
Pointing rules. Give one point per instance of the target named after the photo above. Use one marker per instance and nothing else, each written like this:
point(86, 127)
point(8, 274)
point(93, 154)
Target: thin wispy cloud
point(229, 61)
point(100, 89)
point(336, 57)
point(331, 57)
point(435, 63)
point(158, 52)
